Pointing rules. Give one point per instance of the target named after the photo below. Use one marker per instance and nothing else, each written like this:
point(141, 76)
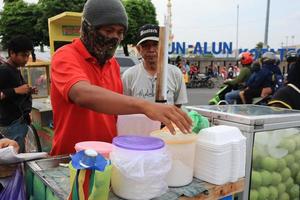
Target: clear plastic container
point(182, 149)
point(136, 124)
point(140, 166)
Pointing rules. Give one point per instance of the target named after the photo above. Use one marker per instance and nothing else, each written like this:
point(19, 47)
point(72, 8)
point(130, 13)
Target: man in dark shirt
point(15, 93)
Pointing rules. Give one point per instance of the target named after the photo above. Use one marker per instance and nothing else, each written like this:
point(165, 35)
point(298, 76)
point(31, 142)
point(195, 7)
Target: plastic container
point(140, 166)
point(137, 124)
point(182, 149)
point(102, 148)
point(220, 155)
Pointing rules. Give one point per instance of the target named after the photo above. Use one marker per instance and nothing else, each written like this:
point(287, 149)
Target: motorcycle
point(200, 81)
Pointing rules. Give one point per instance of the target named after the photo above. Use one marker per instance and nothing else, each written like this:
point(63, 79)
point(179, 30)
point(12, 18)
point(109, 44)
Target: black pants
point(251, 93)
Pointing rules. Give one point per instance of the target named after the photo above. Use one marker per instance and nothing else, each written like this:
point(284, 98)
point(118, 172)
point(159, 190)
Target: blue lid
point(139, 143)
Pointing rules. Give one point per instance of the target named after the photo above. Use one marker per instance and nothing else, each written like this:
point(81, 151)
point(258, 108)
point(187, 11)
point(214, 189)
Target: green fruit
point(256, 161)
point(297, 140)
point(294, 191)
point(285, 174)
point(266, 178)
point(297, 179)
point(281, 188)
point(281, 164)
point(288, 144)
point(256, 180)
point(253, 195)
point(276, 178)
point(295, 168)
point(297, 155)
point(289, 159)
point(289, 183)
point(273, 193)
point(284, 196)
point(269, 163)
point(263, 193)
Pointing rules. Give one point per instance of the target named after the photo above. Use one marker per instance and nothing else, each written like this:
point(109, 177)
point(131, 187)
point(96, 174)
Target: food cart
point(273, 138)
point(49, 179)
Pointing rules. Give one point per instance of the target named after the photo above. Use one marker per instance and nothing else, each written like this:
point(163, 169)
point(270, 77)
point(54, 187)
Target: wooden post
point(161, 82)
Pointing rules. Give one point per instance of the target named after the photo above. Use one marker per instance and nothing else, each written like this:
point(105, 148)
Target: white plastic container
point(137, 124)
point(140, 166)
point(182, 149)
point(220, 155)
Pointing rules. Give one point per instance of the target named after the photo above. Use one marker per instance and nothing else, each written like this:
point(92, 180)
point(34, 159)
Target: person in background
point(15, 93)
point(246, 59)
point(291, 58)
point(263, 85)
point(86, 87)
point(289, 95)
point(6, 170)
point(140, 80)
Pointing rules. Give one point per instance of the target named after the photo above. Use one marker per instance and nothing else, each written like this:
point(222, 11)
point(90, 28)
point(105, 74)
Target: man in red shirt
point(86, 89)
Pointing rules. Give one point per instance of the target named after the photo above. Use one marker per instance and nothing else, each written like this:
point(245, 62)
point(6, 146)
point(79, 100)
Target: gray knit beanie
point(105, 12)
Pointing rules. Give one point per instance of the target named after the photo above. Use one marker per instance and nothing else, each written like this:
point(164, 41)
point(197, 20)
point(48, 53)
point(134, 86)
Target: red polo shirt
point(72, 123)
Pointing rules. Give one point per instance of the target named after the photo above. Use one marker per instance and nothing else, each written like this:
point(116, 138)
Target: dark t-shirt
point(288, 97)
point(13, 106)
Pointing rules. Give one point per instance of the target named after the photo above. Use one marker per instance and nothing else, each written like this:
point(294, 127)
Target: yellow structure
point(63, 28)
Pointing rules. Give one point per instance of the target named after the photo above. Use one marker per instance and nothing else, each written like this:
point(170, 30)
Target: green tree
point(50, 8)
point(139, 12)
point(17, 18)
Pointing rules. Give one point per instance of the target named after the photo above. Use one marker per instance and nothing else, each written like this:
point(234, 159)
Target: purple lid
point(139, 143)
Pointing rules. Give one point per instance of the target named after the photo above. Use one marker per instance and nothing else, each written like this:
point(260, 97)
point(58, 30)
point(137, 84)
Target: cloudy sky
point(216, 20)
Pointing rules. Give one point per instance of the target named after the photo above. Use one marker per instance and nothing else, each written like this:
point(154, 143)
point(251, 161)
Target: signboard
point(218, 48)
point(71, 30)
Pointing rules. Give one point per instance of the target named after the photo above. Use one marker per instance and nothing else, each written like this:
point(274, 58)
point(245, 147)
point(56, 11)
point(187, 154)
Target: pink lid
point(102, 148)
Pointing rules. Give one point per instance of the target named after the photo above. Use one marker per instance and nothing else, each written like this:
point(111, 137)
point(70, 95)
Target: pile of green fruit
point(276, 176)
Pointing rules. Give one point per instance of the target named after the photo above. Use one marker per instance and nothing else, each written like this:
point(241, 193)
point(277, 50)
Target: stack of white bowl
point(220, 155)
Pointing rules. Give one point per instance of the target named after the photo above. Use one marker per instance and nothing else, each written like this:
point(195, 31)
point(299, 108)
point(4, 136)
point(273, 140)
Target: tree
point(50, 8)
point(18, 18)
point(140, 12)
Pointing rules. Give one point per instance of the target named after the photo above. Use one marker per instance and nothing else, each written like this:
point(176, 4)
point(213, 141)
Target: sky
point(216, 20)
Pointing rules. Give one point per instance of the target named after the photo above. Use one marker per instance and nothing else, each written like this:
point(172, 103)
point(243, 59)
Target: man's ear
point(138, 47)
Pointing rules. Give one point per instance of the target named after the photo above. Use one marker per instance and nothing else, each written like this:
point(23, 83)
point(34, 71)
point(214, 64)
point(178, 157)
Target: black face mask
point(98, 45)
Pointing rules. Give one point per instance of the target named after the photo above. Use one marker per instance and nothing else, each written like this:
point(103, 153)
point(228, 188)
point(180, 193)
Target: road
point(200, 96)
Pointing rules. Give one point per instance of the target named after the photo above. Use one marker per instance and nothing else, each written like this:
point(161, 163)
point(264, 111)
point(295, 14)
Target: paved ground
point(200, 96)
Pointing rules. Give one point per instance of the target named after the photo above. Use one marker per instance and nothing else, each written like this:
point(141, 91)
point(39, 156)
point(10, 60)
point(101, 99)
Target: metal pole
point(267, 25)
point(237, 32)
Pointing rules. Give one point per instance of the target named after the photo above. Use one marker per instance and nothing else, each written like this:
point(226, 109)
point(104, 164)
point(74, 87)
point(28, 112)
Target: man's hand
point(34, 90)
point(7, 142)
point(169, 115)
point(23, 89)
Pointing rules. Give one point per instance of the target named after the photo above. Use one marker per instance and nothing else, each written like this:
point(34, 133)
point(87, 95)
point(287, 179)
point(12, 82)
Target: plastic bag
point(15, 188)
point(199, 122)
point(142, 167)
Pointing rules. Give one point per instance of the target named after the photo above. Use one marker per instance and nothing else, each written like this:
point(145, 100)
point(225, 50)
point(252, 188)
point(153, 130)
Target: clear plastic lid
point(178, 138)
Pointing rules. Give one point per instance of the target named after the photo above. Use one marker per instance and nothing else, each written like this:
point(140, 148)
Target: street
point(200, 96)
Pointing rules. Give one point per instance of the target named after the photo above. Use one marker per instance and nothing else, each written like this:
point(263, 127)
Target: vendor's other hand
point(34, 90)
point(23, 89)
point(168, 114)
point(7, 142)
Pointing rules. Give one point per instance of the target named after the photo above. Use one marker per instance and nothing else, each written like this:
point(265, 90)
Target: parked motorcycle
point(200, 81)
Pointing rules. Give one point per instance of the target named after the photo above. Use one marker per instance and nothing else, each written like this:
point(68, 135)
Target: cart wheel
point(32, 141)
